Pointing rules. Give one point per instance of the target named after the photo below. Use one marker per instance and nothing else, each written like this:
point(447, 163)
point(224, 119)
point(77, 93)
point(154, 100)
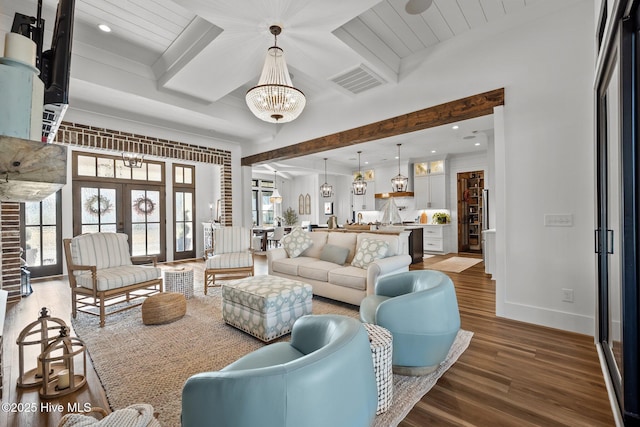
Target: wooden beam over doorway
point(450, 112)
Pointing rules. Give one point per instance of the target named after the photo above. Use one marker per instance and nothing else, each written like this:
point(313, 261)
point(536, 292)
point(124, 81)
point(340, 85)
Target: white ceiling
point(186, 64)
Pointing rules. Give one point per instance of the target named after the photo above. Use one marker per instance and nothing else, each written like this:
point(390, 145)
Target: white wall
point(544, 156)
point(458, 164)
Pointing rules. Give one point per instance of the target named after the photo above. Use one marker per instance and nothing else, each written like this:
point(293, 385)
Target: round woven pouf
point(164, 307)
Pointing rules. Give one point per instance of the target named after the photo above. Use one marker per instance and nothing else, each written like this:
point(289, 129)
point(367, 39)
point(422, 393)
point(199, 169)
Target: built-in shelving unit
point(470, 205)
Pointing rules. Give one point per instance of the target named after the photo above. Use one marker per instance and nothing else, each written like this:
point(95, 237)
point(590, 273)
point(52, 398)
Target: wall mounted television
point(54, 64)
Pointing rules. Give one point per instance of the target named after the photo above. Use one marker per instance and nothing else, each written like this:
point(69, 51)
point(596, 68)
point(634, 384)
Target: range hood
point(30, 171)
point(396, 194)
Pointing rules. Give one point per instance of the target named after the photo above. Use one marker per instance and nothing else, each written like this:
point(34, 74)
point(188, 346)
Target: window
point(262, 210)
point(110, 197)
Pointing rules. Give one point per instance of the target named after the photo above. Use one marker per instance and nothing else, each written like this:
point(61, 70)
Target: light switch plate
point(558, 220)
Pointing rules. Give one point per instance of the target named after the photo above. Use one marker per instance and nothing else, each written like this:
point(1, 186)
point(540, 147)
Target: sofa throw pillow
point(335, 254)
point(296, 242)
point(369, 251)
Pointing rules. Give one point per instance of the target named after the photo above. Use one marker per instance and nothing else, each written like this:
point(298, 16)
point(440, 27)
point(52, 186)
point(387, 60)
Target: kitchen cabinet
point(436, 238)
point(430, 184)
point(430, 192)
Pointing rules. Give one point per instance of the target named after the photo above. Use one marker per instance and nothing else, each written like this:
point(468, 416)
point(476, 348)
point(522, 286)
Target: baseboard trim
point(556, 319)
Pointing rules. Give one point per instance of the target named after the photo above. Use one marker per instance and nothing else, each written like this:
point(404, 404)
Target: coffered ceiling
point(186, 64)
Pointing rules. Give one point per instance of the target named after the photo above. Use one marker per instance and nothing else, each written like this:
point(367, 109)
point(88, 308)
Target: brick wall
point(10, 244)
point(80, 135)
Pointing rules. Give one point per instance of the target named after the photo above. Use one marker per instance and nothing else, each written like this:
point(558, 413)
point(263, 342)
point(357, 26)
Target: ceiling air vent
point(358, 79)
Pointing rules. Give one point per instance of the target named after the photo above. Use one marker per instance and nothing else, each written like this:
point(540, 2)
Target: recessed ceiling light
point(105, 28)
point(366, 163)
point(477, 143)
point(454, 127)
point(433, 151)
point(396, 157)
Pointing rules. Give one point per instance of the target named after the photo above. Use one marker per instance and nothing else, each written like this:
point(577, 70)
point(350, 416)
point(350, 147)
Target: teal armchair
point(420, 309)
point(323, 377)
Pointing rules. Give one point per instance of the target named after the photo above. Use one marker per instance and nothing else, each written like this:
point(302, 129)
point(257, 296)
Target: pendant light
point(275, 196)
point(399, 182)
point(274, 99)
point(325, 189)
point(359, 184)
point(132, 160)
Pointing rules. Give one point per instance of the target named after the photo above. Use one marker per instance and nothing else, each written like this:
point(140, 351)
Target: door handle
point(597, 241)
point(610, 242)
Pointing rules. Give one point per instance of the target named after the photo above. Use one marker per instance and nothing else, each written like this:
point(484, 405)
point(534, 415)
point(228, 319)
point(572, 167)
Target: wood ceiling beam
point(450, 112)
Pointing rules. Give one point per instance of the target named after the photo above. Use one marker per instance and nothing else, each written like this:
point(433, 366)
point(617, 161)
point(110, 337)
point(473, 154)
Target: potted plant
point(441, 218)
point(290, 216)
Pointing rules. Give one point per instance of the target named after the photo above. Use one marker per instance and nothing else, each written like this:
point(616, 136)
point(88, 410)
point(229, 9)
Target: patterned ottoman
point(265, 306)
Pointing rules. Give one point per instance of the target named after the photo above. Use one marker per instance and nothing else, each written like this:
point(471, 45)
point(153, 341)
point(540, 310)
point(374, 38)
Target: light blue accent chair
point(420, 309)
point(323, 377)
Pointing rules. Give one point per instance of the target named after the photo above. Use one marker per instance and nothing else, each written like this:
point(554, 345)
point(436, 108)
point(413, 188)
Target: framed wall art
point(328, 208)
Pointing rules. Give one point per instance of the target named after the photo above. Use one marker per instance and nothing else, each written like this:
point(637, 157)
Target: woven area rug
point(149, 364)
point(455, 264)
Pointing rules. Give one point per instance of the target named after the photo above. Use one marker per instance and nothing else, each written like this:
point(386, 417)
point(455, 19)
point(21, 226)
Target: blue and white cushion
point(296, 242)
point(232, 260)
point(369, 251)
point(118, 277)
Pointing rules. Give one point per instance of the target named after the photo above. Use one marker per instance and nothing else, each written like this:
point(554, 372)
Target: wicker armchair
point(230, 257)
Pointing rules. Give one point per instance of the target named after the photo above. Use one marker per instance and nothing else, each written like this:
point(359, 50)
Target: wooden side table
point(381, 342)
point(179, 280)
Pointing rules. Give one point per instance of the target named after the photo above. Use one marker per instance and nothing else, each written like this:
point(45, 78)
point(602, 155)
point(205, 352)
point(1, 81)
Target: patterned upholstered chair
point(230, 257)
point(101, 273)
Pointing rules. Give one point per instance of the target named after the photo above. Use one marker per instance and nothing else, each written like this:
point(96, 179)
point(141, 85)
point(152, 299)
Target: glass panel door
point(136, 210)
point(97, 208)
point(184, 186)
point(611, 234)
point(145, 219)
point(618, 209)
point(41, 237)
point(184, 225)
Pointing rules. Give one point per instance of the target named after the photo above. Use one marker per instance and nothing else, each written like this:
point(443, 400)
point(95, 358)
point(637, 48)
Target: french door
point(41, 235)
point(134, 209)
point(617, 237)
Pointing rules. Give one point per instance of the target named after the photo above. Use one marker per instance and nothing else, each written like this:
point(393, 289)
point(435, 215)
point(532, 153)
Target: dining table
point(263, 231)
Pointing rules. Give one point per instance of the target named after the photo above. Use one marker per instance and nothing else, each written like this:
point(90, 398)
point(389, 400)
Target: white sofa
point(344, 282)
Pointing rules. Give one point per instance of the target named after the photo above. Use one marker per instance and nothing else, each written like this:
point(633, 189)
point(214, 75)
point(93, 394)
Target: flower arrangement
point(441, 218)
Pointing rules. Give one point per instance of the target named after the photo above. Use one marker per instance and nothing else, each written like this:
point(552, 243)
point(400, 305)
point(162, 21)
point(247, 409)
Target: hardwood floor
point(512, 374)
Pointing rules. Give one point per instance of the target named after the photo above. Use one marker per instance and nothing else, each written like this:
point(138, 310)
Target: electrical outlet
point(567, 295)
